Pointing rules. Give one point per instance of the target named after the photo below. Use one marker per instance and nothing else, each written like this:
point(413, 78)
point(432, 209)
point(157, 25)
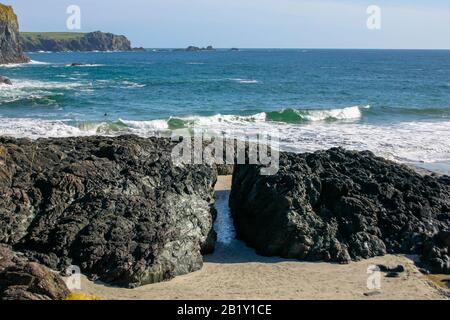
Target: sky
point(405, 24)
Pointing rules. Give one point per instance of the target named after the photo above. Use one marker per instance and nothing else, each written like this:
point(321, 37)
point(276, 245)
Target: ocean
point(394, 103)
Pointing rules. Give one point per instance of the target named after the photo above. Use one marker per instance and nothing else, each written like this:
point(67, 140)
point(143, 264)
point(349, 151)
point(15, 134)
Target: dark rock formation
point(61, 42)
point(436, 251)
point(196, 49)
point(5, 80)
point(340, 205)
point(225, 169)
point(387, 269)
point(23, 280)
point(77, 64)
point(10, 50)
point(139, 49)
point(116, 207)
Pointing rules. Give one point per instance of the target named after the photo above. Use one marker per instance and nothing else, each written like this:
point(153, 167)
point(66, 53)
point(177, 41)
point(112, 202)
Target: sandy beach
point(235, 271)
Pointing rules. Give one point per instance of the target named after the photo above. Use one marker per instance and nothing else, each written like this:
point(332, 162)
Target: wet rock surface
point(339, 206)
point(23, 280)
point(116, 207)
point(5, 80)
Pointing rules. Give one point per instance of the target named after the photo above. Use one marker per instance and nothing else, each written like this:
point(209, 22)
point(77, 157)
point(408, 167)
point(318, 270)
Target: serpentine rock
point(339, 206)
point(116, 207)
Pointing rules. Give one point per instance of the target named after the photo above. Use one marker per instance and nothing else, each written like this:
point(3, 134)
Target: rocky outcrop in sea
point(116, 207)
point(57, 42)
point(196, 49)
point(10, 49)
point(5, 80)
point(339, 206)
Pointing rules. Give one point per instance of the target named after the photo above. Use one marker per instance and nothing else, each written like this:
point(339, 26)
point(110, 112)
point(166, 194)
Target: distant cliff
point(73, 41)
point(10, 50)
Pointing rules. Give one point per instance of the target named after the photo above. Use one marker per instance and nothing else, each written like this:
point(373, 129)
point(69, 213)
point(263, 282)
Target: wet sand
point(235, 271)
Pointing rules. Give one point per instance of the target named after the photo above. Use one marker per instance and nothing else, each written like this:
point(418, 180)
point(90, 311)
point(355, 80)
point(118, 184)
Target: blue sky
point(251, 23)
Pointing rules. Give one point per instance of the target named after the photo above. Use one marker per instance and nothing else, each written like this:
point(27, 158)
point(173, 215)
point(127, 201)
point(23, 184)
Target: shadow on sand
point(228, 248)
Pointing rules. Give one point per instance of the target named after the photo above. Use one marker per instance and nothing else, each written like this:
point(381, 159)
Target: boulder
point(339, 206)
point(436, 251)
point(5, 80)
point(116, 207)
point(23, 280)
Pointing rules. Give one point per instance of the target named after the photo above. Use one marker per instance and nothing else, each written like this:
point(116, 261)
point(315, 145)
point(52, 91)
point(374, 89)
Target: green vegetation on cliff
point(73, 41)
point(7, 14)
point(52, 35)
point(10, 49)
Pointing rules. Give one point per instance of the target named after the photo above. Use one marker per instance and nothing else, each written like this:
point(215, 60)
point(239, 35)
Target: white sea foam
point(131, 85)
point(244, 81)
point(36, 84)
point(19, 65)
point(145, 127)
point(337, 114)
point(12, 65)
point(411, 142)
point(25, 89)
point(38, 62)
point(403, 142)
point(32, 128)
point(225, 119)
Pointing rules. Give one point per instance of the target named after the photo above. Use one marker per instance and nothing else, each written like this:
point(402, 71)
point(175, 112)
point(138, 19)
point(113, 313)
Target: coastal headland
point(73, 41)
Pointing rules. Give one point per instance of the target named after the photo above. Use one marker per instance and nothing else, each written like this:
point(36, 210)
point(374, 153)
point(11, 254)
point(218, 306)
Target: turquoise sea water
point(395, 103)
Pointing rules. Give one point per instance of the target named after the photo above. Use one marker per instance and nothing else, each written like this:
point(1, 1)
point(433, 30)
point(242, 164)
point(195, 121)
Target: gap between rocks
point(229, 249)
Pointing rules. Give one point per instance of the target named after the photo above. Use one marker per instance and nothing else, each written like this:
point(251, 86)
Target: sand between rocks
point(236, 272)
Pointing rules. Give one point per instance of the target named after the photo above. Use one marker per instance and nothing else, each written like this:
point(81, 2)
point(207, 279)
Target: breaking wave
point(409, 142)
point(299, 131)
point(34, 91)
